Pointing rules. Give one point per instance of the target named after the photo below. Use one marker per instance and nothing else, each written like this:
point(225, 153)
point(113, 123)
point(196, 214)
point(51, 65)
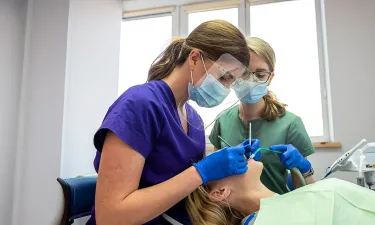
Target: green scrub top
point(288, 129)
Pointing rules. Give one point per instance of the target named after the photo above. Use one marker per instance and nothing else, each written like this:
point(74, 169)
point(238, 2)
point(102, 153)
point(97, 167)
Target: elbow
point(104, 217)
point(115, 216)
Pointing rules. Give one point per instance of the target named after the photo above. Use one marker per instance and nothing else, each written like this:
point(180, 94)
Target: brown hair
point(212, 38)
point(274, 108)
point(203, 210)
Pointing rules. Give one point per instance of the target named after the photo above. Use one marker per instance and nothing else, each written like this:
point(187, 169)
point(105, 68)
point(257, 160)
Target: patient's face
point(235, 186)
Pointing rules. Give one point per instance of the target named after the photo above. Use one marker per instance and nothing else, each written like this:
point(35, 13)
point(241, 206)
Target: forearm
point(310, 180)
point(297, 183)
point(145, 204)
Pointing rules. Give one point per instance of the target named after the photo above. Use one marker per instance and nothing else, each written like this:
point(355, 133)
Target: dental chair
point(79, 197)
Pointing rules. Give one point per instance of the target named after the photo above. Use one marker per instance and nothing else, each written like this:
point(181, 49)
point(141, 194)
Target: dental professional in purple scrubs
point(150, 156)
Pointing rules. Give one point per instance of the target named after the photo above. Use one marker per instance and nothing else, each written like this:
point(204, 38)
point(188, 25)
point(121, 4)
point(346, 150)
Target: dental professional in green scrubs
point(271, 123)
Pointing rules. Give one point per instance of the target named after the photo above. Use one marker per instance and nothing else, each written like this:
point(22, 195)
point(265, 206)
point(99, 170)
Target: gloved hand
point(223, 163)
point(292, 158)
point(250, 150)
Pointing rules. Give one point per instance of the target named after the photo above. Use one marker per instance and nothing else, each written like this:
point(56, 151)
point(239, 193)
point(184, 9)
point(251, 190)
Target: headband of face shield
point(212, 94)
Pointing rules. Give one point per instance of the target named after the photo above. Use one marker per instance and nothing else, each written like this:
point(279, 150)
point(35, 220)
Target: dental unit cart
point(358, 159)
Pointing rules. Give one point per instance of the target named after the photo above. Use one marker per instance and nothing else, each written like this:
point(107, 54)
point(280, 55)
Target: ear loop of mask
point(191, 77)
point(191, 71)
point(204, 65)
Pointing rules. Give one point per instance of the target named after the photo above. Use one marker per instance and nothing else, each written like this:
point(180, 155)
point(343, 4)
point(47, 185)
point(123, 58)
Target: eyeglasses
point(229, 78)
point(258, 77)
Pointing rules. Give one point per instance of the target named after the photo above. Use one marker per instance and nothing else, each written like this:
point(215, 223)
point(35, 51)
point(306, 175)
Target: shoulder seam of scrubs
point(160, 109)
point(170, 219)
point(291, 124)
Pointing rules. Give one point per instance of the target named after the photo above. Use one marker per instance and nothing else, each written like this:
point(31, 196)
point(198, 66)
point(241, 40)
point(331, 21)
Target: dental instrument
point(343, 159)
point(170, 219)
point(263, 149)
point(358, 159)
point(228, 145)
point(250, 134)
point(360, 177)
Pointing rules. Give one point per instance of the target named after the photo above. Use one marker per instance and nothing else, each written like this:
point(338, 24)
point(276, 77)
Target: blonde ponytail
point(274, 108)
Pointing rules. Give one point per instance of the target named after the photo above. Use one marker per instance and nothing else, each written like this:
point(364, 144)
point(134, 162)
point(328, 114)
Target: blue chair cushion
point(79, 195)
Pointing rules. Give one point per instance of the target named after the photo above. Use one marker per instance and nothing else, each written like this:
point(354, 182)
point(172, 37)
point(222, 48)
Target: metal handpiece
point(223, 141)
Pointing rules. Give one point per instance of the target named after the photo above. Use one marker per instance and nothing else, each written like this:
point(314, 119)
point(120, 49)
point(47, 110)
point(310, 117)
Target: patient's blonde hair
point(274, 108)
point(204, 210)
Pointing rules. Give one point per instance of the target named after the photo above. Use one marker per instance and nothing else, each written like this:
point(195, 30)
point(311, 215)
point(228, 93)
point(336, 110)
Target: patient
point(230, 201)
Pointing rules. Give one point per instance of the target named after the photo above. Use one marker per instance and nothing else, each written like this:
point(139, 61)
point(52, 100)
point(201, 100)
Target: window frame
point(180, 9)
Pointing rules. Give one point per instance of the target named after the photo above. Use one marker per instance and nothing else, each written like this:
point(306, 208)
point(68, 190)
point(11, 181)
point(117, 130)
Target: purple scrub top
point(146, 118)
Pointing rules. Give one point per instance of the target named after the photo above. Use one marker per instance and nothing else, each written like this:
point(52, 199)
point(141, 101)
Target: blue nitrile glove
point(223, 163)
point(292, 158)
point(254, 146)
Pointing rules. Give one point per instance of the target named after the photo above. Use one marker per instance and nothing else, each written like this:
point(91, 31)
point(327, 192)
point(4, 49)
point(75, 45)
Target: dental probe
point(228, 145)
point(250, 135)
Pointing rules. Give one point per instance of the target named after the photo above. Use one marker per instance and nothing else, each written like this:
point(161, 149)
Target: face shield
point(225, 82)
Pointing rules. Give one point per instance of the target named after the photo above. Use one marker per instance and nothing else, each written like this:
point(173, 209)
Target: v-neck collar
point(237, 112)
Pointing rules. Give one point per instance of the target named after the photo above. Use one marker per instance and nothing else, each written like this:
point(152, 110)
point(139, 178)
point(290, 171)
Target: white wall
point(350, 38)
point(12, 27)
point(37, 194)
point(91, 79)
point(72, 50)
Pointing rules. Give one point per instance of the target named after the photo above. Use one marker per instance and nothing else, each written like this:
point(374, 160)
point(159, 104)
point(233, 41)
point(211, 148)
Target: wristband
point(308, 173)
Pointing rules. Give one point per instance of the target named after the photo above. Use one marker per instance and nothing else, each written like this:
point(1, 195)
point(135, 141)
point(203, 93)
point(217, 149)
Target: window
point(297, 42)
point(290, 28)
point(230, 15)
point(142, 40)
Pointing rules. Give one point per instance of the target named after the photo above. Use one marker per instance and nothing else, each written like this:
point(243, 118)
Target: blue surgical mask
point(251, 92)
point(210, 93)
